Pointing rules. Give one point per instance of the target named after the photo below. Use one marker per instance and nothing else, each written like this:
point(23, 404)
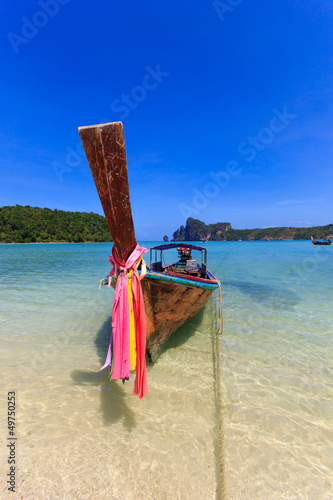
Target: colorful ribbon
point(118, 357)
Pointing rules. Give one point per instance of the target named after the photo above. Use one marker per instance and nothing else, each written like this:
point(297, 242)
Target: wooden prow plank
point(105, 150)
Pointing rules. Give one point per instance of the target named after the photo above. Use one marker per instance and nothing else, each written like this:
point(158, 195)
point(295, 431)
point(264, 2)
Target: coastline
point(50, 242)
point(172, 241)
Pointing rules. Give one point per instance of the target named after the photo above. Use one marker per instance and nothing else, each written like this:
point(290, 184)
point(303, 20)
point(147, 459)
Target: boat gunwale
point(180, 280)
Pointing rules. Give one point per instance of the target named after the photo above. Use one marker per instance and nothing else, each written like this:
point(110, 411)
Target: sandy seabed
point(81, 436)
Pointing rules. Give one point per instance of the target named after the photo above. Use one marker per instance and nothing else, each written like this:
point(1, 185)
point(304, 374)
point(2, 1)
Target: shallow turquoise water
point(81, 436)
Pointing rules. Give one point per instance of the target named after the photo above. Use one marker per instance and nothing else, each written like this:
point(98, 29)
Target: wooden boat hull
point(170, 303)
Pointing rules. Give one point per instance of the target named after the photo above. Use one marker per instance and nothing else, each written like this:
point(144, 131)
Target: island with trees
point(27, 224)
point(196, 230)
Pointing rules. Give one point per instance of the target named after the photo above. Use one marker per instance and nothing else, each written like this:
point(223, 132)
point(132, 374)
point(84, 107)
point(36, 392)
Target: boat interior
point(186, 265)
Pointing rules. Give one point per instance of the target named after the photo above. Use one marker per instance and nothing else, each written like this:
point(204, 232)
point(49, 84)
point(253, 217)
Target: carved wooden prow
point(105, 150)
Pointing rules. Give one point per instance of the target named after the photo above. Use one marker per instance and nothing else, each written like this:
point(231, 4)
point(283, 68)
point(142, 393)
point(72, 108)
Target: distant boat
point(172, 293)
point(206, 238)
point(317, 242)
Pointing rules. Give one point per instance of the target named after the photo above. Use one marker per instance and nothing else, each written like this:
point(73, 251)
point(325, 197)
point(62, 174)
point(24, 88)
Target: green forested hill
point(222, 231)
point(32, 224)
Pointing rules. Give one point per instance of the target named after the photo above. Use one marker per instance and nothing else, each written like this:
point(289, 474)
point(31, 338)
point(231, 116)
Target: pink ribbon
point(120, 337)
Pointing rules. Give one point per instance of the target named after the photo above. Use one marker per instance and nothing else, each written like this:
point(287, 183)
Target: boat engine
point(184, 254)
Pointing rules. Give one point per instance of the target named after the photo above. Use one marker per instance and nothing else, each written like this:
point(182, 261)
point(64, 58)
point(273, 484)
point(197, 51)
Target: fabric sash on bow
point(119, 348)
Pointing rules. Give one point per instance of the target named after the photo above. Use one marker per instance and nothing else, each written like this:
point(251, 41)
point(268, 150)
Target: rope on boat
point(219, 403)
point(220, 328)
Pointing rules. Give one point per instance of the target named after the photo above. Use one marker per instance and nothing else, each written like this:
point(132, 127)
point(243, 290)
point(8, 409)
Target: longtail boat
point(172, 293)
point(317, 242)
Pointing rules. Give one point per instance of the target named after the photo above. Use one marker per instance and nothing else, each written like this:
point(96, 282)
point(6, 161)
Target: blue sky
point(227, 107)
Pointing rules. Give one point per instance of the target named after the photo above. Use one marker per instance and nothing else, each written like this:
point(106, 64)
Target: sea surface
point(266, 423)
